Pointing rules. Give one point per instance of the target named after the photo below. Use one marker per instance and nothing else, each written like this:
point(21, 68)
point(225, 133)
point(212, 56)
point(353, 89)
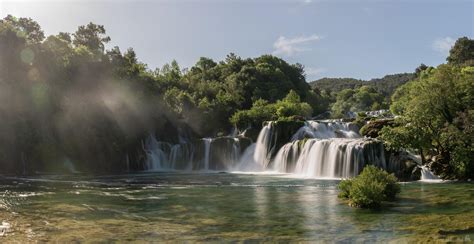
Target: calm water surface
point(224, 207)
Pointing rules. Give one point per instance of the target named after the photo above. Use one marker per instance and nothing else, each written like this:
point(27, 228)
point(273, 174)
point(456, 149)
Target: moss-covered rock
point(404, 168)
point(251, 133)
point(373, 127)
point(281, 133)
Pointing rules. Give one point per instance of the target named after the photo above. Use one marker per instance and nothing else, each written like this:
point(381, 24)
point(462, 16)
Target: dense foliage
point(364, 98)
point(370, 188)
point(351, 95)
point(436, 115)
point(385, 85)
point(65, 98)
point(261, 111)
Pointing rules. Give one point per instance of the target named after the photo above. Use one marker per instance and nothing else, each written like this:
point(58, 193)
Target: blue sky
point(332, 38)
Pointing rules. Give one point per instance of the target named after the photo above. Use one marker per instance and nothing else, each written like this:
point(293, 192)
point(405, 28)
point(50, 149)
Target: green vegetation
point(385, 86)
point(288, 108)
point(364, 98)
point(66, 98)
point(369, 188)
point(436, 115)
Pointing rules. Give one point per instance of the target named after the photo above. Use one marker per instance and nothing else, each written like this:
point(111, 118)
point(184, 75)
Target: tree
point(355, 100)
point(26, 27)
point(435, 119)
point(262, 110)
point(462, 52)
point(91, 36)
point(420, 69)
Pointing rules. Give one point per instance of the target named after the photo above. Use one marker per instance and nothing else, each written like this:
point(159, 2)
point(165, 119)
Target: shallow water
point(224, 207)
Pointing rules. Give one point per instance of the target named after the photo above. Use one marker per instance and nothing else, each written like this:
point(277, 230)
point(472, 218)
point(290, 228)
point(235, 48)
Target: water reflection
point(221, 207)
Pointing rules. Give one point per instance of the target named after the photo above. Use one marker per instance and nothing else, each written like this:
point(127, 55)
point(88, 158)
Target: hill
point(385, 85)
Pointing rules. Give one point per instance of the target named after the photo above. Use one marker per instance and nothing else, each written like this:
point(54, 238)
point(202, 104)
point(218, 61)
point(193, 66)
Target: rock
point(281, 133)
point(4, 228)
point(373, 127)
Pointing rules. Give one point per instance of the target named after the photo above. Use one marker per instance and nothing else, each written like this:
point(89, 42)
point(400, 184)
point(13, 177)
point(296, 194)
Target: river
point(224, 207)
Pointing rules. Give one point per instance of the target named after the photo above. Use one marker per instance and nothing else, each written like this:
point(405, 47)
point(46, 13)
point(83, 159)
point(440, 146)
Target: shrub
point(345, 188)
point(370, 188)
point(287, 109)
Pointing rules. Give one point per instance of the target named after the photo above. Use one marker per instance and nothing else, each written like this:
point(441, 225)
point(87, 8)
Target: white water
point(261, 154)
point(329, 149)
point(427, 174)
point(157, 159)
point(326, 130)
point(286, 157)
point(207, 150)
point(338, 157)
point(197, 155)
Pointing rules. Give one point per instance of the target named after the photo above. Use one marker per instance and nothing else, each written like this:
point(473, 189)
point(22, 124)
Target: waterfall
point(262, 146)
point(127, 162)
point(221, 153)
point(321, 149)
point(327, 149)
point(326, 130)
point(207, 150)
point(427, 174)
point(69, 166)
point(338, 157)
point(247, 161)
point(157, 156)
point(286, 157)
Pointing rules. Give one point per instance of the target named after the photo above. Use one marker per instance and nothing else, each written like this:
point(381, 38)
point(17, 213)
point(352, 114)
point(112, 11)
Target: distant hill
point(385, 85)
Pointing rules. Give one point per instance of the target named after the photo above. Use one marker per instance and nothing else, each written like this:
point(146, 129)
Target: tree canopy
point(436, 119)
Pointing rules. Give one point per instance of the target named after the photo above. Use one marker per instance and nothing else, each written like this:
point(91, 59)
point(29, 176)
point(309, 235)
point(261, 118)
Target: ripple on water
point(225, 208)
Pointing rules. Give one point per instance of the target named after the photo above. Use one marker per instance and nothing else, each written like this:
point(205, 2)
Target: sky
point(361, 39)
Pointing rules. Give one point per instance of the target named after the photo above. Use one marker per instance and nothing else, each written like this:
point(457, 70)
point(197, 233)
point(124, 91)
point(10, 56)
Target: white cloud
point(314, 71)
point(290, 46)
point(443, 45)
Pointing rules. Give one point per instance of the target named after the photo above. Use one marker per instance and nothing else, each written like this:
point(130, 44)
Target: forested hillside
point(385, 85)
point(66, 97)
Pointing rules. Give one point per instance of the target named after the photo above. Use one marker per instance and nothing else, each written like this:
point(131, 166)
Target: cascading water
point(206, 154)
point(322, 149)
point(262, 146)
point(207, 150)
point(426, 174)
point(286, 157)
point(326, 130)
point(157, 157)
point(338, 157)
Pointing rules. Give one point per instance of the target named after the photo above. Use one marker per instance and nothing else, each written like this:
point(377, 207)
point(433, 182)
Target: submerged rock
point(5, 227)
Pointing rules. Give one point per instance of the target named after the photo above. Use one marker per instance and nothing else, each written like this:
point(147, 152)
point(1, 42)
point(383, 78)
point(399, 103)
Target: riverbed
point(224, 207)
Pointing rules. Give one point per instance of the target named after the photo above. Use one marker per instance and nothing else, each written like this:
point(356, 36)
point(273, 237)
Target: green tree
point(430, 111)
point(91, 36)
point(26, 27)
point(462, 52)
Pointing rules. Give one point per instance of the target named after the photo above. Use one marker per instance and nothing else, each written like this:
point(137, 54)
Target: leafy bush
point(345, 188)
point(262, 110)
point(370, 188)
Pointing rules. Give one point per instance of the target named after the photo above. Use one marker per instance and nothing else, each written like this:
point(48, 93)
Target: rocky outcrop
point(403, 166)
point(373, 127)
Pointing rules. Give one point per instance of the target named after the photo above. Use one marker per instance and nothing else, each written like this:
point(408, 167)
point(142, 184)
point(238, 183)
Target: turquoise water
point(224, 207)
